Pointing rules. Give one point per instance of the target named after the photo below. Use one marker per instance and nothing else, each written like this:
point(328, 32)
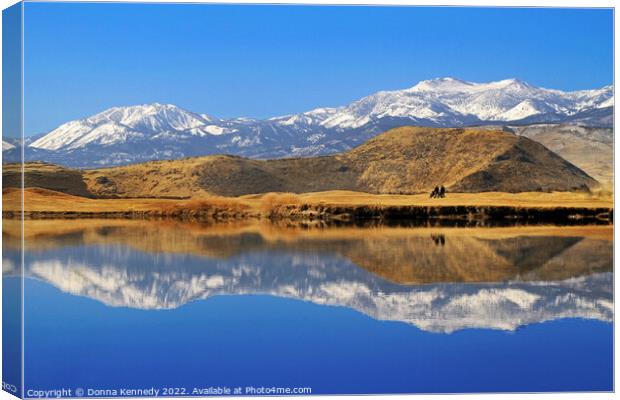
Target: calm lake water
point(138, 305)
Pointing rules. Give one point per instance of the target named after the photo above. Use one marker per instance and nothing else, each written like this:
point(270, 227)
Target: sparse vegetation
point(334, 205)
point(272, 204)
point(211, 208)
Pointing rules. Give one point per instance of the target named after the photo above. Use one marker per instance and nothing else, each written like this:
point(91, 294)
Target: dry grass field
point(40, 202)
point(46, 202)
point(523, 199)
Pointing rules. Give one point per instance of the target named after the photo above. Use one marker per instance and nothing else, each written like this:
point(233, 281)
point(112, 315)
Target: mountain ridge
point(123, 135)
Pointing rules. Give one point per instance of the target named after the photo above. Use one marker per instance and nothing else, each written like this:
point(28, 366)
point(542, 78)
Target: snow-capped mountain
point(7, 146)
point(445, 307)
point(124, 124)
point(123, 135)
point(449, 102)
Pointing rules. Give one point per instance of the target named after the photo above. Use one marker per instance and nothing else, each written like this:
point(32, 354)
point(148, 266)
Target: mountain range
point(123, 135)
point(441, 308)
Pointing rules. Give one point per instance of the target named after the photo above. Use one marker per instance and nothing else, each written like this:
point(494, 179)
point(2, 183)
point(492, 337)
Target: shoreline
point(402, 216)
point(336, 207)
point(445, 213)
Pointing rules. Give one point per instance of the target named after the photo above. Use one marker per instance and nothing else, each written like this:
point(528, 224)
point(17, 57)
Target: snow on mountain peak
point(451, 101)
point(454, 85)
point(155, 117)
point(510, 82)
point(308, 118)
point(7, 146)
point(442, 84)
point(120, 124)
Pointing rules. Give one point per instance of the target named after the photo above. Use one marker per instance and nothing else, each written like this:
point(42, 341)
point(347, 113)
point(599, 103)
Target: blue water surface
point(134, 306)
point(264, 341)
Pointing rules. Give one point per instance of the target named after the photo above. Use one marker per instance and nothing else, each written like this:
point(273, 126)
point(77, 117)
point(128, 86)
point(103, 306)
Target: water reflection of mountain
point(495, 279)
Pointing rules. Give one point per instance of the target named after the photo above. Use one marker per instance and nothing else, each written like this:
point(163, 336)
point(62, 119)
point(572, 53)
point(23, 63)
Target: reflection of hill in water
point(400, 255)
point(483, 278)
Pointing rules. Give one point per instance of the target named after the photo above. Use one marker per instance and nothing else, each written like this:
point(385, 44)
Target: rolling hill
point(401, 161)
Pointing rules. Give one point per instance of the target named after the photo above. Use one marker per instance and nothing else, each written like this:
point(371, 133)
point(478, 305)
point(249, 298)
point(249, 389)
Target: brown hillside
point(401, 161)
point(46, 176)
point(464, 160)
point(591, 149)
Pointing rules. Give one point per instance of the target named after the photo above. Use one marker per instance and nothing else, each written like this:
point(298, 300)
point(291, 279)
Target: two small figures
point(438, 192)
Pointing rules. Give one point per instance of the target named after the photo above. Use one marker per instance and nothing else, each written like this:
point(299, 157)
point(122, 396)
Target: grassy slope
point(589, 148)
point(48, 176)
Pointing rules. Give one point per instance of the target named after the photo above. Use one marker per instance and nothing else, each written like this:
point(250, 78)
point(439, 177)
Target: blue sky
point(262, 61)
